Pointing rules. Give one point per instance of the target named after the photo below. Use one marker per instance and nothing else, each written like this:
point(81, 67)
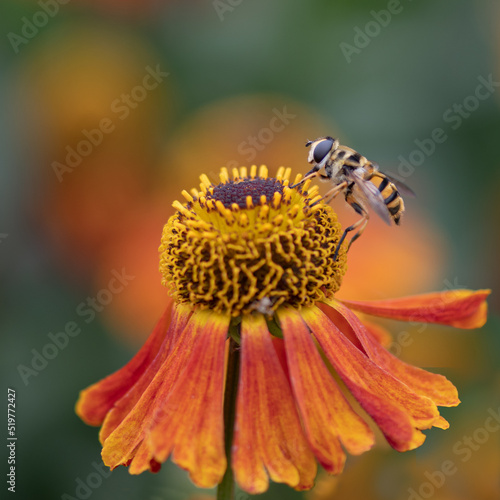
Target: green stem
point(225, 490)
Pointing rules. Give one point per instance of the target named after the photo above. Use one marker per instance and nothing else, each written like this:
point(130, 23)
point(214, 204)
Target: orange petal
point(341, 323)
point(431, 385)
point(378, 332)
point(326, 414)
point(123, 407)
point(143, 460)
point(279, 347)
point(442, 423)
point(95, 401)
point(189, 421)
point(458, 308)
point(268, 434)
point(393, 406)
point(120, 446)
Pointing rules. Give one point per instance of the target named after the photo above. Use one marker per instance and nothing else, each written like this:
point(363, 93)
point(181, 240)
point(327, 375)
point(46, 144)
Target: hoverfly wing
point(372, 195)
point(401, 186)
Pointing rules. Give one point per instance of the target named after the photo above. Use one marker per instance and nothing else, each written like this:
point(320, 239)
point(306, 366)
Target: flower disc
point(251, 243)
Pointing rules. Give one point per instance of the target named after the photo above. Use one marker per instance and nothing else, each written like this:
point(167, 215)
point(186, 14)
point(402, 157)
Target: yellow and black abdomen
point(390, 194)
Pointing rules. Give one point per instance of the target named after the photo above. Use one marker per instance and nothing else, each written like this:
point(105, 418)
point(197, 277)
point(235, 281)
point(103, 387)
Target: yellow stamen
point(205, 180)
point(264, 211)
point(278, 219)
point(224, 175)
point(187, 195)
point(179, 206)
point(313, 191)
point(315, 199)
point(276, 199)
point(263, 171)
point(243, 219)
point(294, 210)
point(220, 207)
point(279, 173)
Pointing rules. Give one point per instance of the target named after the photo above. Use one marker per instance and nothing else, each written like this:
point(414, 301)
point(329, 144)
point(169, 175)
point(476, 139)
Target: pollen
point(251, 243)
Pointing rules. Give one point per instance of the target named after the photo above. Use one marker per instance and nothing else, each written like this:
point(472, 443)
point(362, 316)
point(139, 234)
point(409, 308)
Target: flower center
point(238, 192)
point(251, 243)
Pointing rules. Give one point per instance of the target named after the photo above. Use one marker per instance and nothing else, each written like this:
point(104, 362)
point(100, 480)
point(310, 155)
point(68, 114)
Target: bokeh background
point(411, 85)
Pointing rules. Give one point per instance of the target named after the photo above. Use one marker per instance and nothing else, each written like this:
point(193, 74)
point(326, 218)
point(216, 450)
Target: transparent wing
point(372, 195)
point(402, 187)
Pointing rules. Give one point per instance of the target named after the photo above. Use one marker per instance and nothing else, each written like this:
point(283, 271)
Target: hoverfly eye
point(322, 149)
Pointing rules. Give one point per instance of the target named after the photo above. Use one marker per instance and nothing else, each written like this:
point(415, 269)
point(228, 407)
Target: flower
point(251, 260)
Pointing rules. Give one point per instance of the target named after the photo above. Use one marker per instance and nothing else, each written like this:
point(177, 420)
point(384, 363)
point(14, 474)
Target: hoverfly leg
point(359, 233)
point(336, 254)
point(332, 193)
point(335, 191)
point(361, 222)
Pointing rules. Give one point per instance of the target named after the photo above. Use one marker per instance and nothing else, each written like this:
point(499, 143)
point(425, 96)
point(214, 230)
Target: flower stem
point(225, 490)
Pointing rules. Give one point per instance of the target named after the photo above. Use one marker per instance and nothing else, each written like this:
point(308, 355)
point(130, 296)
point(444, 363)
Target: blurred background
point(112, 107)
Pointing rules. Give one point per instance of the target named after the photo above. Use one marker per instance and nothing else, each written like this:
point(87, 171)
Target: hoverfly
point(361, 181)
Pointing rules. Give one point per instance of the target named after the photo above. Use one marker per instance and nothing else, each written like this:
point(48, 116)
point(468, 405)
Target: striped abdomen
point(390, 194)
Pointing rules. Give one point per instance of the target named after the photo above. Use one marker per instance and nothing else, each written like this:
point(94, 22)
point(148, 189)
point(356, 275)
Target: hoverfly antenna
point(308, 143)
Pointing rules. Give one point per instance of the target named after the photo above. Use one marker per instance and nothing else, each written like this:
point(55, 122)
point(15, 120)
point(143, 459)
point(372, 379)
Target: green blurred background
point(248, 82)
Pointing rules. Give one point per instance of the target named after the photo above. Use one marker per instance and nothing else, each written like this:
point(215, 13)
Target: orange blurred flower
point(95, 180)
point(252, 259)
